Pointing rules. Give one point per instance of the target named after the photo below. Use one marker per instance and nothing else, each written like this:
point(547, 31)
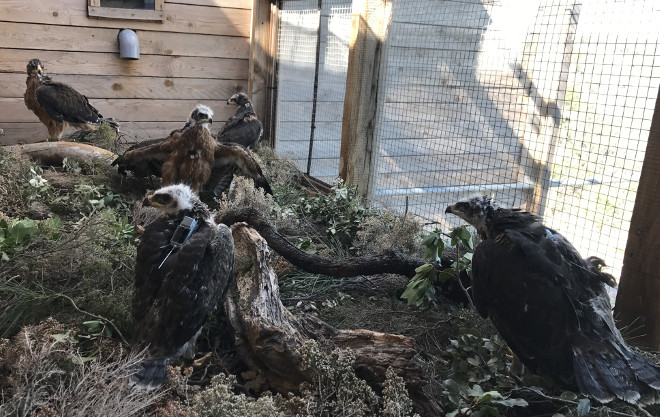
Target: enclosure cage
point(542, 104)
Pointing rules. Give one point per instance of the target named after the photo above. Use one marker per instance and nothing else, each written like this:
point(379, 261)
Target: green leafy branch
point(475, 402)
point(421, 288)
point(17, 234)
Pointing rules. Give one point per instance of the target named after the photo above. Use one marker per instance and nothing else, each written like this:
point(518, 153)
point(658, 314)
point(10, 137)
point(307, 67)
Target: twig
point(574, 403)
point(96, 316)
point(640, 409)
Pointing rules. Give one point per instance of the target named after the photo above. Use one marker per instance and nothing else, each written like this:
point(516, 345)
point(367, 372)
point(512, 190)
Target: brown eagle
point(243, 127)
point(183, 269)
point(144, 167)
point(551, 305)
point(58, 105)
point(191, 156)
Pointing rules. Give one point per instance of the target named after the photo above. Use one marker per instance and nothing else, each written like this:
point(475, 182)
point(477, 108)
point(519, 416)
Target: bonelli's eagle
point(191, 156)
point(243, 127)
point(183, 268)
point(58, 105)
point(551, 305)
point(144, 167)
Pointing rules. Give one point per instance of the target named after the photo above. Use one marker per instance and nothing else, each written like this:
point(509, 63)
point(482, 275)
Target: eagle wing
point(63, 103)
point(219, 181)
point(233, 159)
point(145, 158)
point(171, 303)
point(245, 130)
point(529, 307)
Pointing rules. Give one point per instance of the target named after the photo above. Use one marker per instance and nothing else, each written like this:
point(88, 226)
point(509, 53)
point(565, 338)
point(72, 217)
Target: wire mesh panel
point(311, 81)
point(544, 104)
point(610, 96)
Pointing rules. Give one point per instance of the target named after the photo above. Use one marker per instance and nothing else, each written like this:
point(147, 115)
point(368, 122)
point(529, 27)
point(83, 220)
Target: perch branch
point(389, 262)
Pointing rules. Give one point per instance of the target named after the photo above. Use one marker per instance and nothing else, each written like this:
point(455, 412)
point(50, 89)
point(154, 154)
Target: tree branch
point(388, 262)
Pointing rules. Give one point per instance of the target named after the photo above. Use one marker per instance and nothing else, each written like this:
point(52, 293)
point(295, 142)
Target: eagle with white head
point(183, 269)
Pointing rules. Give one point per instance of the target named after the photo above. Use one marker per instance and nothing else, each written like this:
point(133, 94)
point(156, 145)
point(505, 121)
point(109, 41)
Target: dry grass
point(46, 375)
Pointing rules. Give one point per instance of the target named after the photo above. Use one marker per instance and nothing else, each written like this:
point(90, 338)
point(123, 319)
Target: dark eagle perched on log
point(58, 105)
point(243, 127)
point(183, 268)
point(191, 156)
point(551, 305)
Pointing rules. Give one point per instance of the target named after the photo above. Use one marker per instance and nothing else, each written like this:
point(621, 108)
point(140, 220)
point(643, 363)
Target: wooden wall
point(198, 54)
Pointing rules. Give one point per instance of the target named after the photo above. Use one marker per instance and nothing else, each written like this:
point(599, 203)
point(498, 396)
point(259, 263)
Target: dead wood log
point(269, 338)
point(53, 153)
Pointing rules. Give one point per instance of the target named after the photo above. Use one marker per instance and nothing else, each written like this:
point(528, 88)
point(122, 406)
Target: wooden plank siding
point(199, 53)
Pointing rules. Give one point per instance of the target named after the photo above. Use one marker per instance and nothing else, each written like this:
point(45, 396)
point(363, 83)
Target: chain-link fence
point(544, 104)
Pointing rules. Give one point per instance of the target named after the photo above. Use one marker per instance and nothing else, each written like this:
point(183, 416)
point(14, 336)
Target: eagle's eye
point(163, 199)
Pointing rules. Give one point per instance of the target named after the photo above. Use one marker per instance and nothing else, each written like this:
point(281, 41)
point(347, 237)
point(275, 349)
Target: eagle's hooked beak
point(230, 101)
point(449, 209)
point(150, 202)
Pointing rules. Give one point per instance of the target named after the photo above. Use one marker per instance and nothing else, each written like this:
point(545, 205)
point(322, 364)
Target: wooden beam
point(234, 4)
point(124, 109)
point(638, 299)
point(125, 14)
point(270, 111)
point(369, 26)
point(131, 132)
point(545, 89)
point(104, 86)
point(260, 58)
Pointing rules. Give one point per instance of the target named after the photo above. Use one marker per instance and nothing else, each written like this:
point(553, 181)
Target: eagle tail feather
point(647, 375)
point(151, 376)
point(262, 182)
point(589, 380)
point(617, 373)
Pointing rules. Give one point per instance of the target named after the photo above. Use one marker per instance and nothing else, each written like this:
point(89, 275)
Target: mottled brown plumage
point(191, 156)
point(58, 105)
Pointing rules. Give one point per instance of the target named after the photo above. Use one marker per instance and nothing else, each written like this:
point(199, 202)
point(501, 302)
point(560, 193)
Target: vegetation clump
point(42, 373)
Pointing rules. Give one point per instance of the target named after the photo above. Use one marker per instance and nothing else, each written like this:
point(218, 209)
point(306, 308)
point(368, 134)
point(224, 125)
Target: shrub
point(47, 376)
point(219, 400)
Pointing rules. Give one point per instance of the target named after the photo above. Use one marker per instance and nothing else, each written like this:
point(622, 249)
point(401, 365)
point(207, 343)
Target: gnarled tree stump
point(269, 338)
